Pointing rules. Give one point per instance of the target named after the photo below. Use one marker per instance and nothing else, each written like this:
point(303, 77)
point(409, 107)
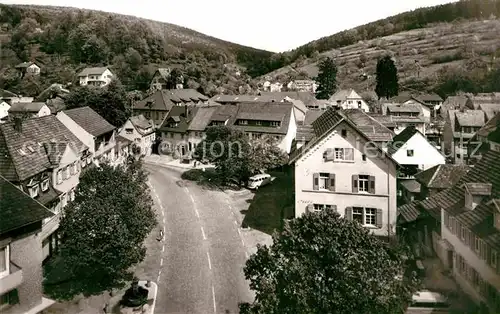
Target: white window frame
point(321, 207)
point(362, 181)
point(33, 190)
point(59, 176)
point(340, 153)
point(275, 123)
point(45, 185)
point(243, 122)
point(323, 181)
point(6, 257)
point(129, 131)
point(258, 122)
point(367, 214)
point(410, 153)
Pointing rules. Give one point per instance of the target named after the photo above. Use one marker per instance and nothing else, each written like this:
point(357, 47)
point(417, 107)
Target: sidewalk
point(168, 161)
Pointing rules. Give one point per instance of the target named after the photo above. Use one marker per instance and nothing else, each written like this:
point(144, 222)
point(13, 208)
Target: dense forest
point(420, 18)
point(65, 40)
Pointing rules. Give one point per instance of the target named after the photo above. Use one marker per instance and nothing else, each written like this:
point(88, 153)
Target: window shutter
point(379, 219)
point(371, 185)
point(349, 153)
point(328, 154)
point(331, 182)
point(309, 208)
point(348, 213)
point(355, 183)
point(316, 181)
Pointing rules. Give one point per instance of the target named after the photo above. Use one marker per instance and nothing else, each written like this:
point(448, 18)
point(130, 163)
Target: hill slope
point(65, 40)
point(422, 56)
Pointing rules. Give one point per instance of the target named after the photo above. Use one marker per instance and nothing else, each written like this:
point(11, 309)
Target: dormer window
point(258, 122)
point(474, 194)
point(243, 122)
point(33, 188)
point(45, 185)
point(129, 131)
point(275, 123)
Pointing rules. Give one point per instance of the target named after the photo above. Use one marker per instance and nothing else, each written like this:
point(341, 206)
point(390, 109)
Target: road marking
point(163, 248)
point(161, 261)
point(192, 199)
point(196, 213)
point(209, 262)
point(203, 233)
point(213, 298)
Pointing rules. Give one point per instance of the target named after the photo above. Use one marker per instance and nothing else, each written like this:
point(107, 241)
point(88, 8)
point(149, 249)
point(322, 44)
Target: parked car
point(428, 302)
point(259, 180)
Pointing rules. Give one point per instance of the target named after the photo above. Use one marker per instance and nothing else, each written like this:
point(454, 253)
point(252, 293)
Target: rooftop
point(26, 107)
point(441, 176)
point(17, 209)
point(89, 120)
point(410, 108)
point(141, 122)
point(92, 71)
point(165, 99)
point(474, 118)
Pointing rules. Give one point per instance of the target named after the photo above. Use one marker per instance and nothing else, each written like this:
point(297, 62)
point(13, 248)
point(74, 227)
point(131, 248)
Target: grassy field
point(271, 204)
point(419, 54)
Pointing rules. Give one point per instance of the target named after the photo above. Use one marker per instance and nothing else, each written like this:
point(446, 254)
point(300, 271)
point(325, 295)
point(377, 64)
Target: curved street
point(202, 254)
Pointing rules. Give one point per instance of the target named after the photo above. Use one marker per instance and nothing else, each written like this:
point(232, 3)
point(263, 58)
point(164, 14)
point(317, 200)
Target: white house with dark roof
point(92, 130)
point(348, 99)
point(141, 132)
point(28, 68)
point(345, 168)
point(405, 115)
point(28, 110)
point(160, 78)
point(100, 76)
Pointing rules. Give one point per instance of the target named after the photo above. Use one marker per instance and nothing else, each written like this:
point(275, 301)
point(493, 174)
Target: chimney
point(18, 124)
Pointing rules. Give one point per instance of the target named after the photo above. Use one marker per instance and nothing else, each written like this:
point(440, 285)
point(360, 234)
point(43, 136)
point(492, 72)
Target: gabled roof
point(385, 120)
point(429, 97)
point(494, 136)
point(201, 118)
point(53, 91)
point(490, 126)
point(89, 120)
point(331, 118)
point(474, 118)
point(92, 71)
point(280, 112)
point(343, 94)
point(297, 104)
point(25, 65)
point(55, 151)
point(164, 72)
point(399, 140)
point(412, 186)
point(6, 94)
point(165, 99)
point(442, 176)
point(22, 153)
point(480, 189)
point(17, 209)
point(182, 115)
point(141, 122)
point(308, 98)
point(26, 107)
point(413, 108)
point(312, 115)
point(373, 129)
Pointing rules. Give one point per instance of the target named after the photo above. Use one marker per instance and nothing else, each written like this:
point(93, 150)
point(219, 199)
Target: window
point(477, 245)
point(171, 135)
point(72, 195)
point(4, 259)
point(409, 152)
point(83, 163)
point(363, 183)
point(323, 180)
point(129, 131)
point(320, 207)
point(359, 104)
point(33, 190)
point(257, 136)
point(349, 102)
point(363, 157)
point(275, 123)
point(72, 169)
point(462, 233)
point(45, 185)
point(344, 154)
point(243, 122)
point(64, 173)
point(343, 132)
point(258, 122)
point(366, 216)
point(64, 200)
point(59, 176)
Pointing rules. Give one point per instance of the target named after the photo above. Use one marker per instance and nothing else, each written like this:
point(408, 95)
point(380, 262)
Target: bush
point(447, 58)
point(193, 175)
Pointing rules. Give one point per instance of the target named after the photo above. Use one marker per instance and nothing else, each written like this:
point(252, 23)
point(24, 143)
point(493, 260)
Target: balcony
point(12, 280)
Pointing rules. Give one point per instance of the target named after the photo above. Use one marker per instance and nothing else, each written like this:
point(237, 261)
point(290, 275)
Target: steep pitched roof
point(429, 97)
point(373, 129)
point(327, 122)
point(308, 98)
point(343, 94)
point(92, 71)
point(280, 112)
point(201, 118)
point(470, 118)
point(182, 115)
point(141, 122)
point(413, 108)
point(22, 153)
point(17, 209)
point(89, 120)
point(24, 65)
point(165, 99)
point(312, 115)
point(385, 120)
point(399, 140)
point(6, 94)
point(441, 176)
point(164, 72)
point(26, 107)
point(490, 126)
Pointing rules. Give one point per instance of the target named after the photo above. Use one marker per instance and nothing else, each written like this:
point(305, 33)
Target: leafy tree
point(228, 149)
point(327, 79)
point(104, 228)
point(387, 78)
point(111, 101)
point(322, 263)
point(265, 155)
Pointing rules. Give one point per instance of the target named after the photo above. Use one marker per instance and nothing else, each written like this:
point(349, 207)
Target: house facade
point(28, 68)
point(157, 105)
point(99, 77)
point(341, 168)
point(160, 79)
point(4, 111)
point(93, 131)
point(21, 273)
point(460, 127)
point(302, 86)
point(348, 99)
point(140, 131)
point(28, 110)
point(406, 115)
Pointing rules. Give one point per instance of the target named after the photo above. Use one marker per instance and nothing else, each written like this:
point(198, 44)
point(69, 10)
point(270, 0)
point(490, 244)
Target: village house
point(157, 105)
point(42, 157)
point(432, 102)
point(459, 128)
point(160, 79)
point(99, 77)
point(27, 110)
point(458, 102)
point(28, 68)
point(302, 86)
point(93, 131)
point(21, 273)
point(54, 97)
point(485, 139)
point(342, 168)
point(414, 153)
point(405, 115)
point(4, 111)
point(12, 98)
point(439, 178)
point(140, 131)
point(184, 129)
point(299, 108)
point(348, 99)
point(466, 236)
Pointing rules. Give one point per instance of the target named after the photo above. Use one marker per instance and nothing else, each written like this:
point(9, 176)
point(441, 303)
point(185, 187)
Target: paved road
point(203, 258)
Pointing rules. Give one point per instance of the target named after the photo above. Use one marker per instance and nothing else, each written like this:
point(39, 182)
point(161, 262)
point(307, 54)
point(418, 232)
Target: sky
point(274, 25)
